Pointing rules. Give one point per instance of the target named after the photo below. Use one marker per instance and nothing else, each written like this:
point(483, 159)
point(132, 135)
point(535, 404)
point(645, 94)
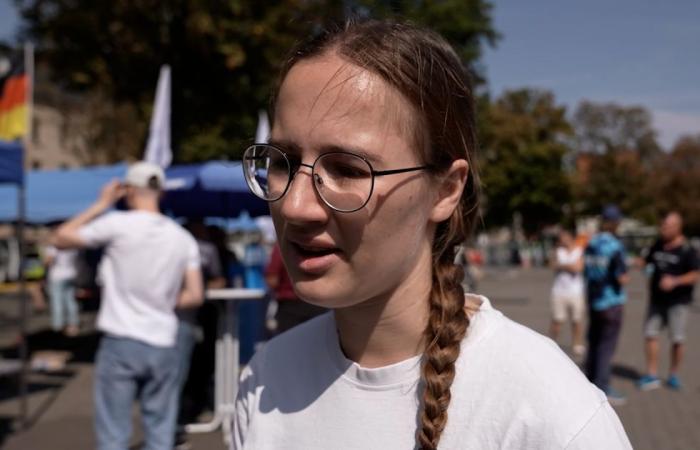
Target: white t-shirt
point(513, 389)
point(142, 272)
point(63, 267)
point(567, 283)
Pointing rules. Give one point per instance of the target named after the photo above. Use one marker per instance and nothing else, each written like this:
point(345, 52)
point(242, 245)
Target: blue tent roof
point(11, 163)
point(213, 189)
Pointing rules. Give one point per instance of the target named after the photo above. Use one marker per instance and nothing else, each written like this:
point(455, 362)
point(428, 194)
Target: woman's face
point(341, 259)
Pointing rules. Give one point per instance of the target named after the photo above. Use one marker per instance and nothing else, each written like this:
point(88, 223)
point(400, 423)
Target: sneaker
point(648, 382)
point(615, 398)
point(674, 383)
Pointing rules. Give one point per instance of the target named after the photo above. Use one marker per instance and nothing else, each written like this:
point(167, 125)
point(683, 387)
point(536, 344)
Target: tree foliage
point(614, 177)
point(524, 145)
point(609, 127)
point(616, 150)
point(676, 182)
point(224, 55)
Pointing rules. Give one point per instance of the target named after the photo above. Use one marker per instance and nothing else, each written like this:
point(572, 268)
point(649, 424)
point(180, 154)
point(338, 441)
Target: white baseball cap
point(145, 175)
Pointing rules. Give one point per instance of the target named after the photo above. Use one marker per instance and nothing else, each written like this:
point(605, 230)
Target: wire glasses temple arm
point(379, 173)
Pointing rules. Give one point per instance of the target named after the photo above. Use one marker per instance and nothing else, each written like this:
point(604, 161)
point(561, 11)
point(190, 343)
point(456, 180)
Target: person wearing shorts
point(567, 297)
point(675, 268)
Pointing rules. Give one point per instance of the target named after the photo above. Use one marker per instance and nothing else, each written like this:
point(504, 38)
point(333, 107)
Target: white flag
point(263, 132)
point(158, 149)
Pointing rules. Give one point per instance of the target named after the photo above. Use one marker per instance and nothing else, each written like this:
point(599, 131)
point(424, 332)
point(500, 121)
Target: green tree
point(617, 150)
point(224, 55)
point(523, 149)
point(614, 177)
point(675, 182)
point(609, 127)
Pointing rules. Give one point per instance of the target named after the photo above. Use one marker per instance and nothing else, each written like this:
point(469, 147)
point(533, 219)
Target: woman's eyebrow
point(354, 150)
point(285, 145)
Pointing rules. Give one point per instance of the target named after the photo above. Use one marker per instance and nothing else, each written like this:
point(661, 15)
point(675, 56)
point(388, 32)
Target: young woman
point(371, 182)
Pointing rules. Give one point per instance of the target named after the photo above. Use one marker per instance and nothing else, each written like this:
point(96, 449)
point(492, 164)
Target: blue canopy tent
point(54, 195)
point(212, 189)
point(11, 163)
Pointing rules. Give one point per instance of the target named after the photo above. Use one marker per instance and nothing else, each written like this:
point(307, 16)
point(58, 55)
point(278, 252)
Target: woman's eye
point(348, 171)
point(278, 164)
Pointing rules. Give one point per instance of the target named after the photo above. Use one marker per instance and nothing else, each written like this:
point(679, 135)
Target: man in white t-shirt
point(568, 296)
point(150, 267)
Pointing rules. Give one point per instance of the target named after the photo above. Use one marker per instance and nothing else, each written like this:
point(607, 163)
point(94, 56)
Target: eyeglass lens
point(344, 181)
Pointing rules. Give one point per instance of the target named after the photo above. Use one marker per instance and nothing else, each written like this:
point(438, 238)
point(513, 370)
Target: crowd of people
point(591, 277)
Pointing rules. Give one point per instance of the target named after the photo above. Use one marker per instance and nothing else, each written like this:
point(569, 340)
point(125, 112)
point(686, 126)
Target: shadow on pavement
point(82, 348)
point(626, 372)
point(79, 349)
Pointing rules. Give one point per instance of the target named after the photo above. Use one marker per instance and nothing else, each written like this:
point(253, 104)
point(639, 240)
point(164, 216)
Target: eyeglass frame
point(293, 171)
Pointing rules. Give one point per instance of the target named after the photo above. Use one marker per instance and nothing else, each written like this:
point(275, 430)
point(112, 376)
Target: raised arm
point(67, 235)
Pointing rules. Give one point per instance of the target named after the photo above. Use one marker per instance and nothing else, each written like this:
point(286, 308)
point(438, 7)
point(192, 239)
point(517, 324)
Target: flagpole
point(21, 218)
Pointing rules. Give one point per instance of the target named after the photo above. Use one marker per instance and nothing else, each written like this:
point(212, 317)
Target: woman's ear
point(449, 190)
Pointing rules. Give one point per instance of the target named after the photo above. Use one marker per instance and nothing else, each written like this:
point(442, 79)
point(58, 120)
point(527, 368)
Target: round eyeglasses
point(344, 181)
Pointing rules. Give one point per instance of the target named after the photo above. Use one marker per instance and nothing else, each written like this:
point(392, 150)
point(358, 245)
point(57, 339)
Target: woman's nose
point(302, 203)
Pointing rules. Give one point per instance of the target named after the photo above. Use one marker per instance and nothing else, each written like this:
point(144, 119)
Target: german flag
point(14, 89)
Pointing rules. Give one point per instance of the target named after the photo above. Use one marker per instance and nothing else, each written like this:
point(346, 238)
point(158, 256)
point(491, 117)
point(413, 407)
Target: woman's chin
point(321, 292)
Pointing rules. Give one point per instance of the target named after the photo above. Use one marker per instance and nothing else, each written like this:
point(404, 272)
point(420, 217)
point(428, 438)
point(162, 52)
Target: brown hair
point(423, 67)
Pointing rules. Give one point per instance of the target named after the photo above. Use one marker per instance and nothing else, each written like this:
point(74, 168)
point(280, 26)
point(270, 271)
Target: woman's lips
point(313, 259)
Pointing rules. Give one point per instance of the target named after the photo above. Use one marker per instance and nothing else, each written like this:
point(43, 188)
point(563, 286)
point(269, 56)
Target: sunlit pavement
point(658, 419)
point(61, 404)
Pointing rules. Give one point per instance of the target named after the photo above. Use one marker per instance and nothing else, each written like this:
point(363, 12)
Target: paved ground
point(61, 405)
point(659, 419)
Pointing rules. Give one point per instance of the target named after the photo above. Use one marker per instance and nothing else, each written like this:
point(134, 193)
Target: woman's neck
point(389, 328)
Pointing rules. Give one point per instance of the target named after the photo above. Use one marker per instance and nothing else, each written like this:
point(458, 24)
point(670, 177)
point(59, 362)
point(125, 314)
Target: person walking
point(606, 275)
point(62, 273)
point(675, 268)
point(568, 297)
point(150, 266)
point(371, 180)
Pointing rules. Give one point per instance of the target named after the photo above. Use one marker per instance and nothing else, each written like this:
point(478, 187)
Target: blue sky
point(634, 52)
point(638, 52)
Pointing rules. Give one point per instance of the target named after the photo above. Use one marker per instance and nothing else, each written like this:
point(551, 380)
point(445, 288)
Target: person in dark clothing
point(675, 270)
point(291, 311)
point(194, 327)
point(605, 272)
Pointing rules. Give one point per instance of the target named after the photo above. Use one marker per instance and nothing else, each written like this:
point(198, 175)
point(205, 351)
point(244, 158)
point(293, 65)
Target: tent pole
point(24, 305)
point(22, 214)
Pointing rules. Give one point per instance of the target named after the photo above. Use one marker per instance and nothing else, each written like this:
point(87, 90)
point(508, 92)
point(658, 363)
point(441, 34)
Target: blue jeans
point(62, 298)
point(128, 370)
point(603, 331)
point(186, 340)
